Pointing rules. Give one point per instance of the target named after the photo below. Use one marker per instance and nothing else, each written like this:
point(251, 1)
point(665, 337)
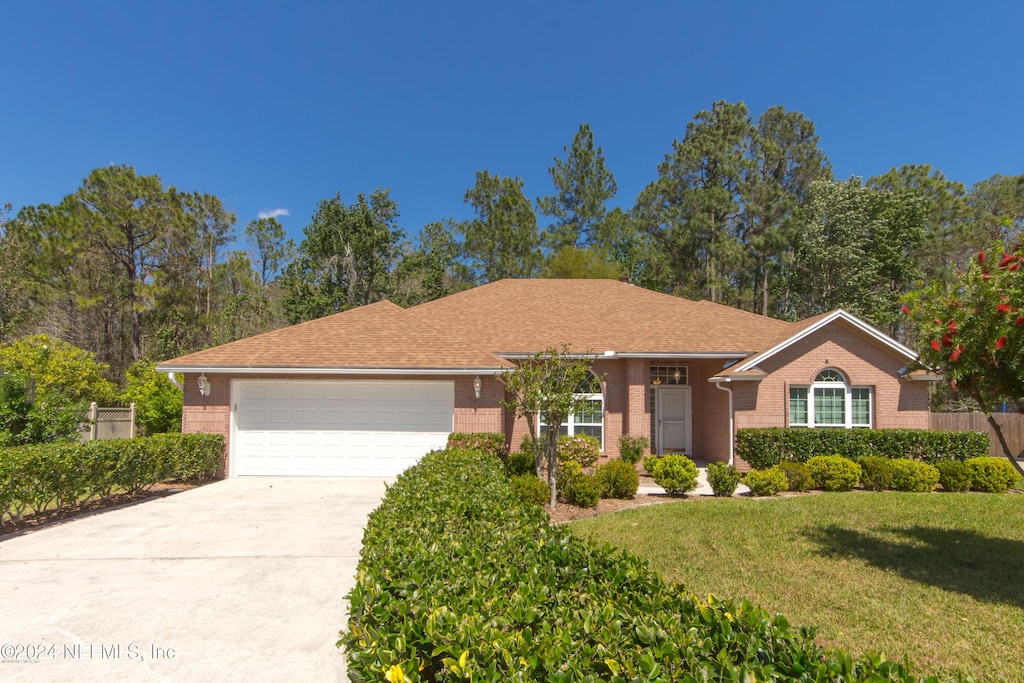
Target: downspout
point(175, 382)
point(732, 429)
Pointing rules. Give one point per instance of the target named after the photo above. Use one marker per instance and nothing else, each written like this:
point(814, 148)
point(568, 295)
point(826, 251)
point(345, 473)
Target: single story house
point(368, 391)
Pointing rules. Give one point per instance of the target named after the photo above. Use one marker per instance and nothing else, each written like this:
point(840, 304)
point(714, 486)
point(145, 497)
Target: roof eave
point(279, 370)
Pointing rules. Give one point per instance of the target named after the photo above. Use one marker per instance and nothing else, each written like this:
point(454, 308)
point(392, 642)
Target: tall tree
point(13, 307)
point(502, 241)
point(996, 211)
point(854, 251)
point(786, 159)
point(583, 187)
point(946, 235)
point(432, 269)
point(347, 257)
point(272, 248)
point(121, 216)
point(570, 262)
point(692, 211)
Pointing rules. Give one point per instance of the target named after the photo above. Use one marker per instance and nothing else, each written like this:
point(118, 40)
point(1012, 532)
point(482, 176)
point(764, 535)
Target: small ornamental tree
point(972, 332)
point(545, 384)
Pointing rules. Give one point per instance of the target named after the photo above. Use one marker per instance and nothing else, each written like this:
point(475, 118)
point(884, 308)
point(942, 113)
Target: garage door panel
point(338, 428)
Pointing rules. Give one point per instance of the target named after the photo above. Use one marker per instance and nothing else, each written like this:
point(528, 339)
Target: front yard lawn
point(935, 578)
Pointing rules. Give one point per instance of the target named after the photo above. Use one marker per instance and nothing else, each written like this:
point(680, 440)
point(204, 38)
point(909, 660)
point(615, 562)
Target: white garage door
point(348, 428)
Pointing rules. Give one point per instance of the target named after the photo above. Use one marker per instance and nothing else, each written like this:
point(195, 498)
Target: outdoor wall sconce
point(204, 385)
point(477, 385)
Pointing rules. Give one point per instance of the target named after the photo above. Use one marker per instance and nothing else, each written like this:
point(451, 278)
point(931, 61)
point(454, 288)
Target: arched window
point(590, 420)
point(830, 402)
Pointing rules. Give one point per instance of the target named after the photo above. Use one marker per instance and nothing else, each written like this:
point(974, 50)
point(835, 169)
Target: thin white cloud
point(273, 213)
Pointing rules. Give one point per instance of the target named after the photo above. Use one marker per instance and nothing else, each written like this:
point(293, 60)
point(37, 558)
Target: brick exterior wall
point(898, 402)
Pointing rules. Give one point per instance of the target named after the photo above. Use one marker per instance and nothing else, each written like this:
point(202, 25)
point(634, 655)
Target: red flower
point(952, 327)
point(1001, 342)
point(981, 258)
point(935, 344)
point(953, 357)
point(1015, 267)
point(905, 309)
point(1006, 260)
point(986, 277)
point(1019, 321)
point(952, 384)
point(947, 340)
point(1003, 308)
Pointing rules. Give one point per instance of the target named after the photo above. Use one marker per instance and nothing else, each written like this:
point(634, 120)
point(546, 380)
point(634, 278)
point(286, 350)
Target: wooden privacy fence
point(109, 423)
point(1011, 424)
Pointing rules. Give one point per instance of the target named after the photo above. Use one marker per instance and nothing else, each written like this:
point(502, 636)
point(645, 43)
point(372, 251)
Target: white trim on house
point(835, 315)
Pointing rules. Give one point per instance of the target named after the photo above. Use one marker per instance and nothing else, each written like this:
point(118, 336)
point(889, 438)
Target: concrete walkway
point(240, 580)
point(703, 488)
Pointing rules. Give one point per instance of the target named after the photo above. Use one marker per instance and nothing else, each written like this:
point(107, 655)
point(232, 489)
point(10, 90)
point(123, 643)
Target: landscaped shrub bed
point(458, 580)
point(765, 447)
point(60, 476)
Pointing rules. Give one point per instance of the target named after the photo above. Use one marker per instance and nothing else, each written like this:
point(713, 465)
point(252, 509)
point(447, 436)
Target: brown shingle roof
point(381, 335)
point(529, 316)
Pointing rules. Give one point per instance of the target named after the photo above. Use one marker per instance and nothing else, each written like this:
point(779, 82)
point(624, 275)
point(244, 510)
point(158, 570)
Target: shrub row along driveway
point(240, 580)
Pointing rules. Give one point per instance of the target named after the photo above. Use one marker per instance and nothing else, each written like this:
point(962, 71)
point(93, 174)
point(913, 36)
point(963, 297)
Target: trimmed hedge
point(767, 482)
point(991, 475)
point(618, 479)
point(61, 476)
point(488, 442)
point(798, 475)
point(530, 488)
point(913, 475)
point(458, 580)
point(876, 472)
point(834, 472)
point(723, 479)
point(954, 476)
point(765, 447)
point(677, 474)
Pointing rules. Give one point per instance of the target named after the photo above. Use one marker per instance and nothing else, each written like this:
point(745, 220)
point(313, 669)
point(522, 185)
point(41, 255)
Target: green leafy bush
point(649, 461)
point(24, 420)
point(834, 472)
point(766, 482)
point(530, 488)
point(581, 448)
point(991, 475)
point(582, 490)
point(631, 448)
point(677, 474)
point(876, 473)
point(723, 478)
point(157, 401)
point(60, 476)
point(488, 442)
point(911, 475)
point(798, 475)
point(466, 581)
point(519, 463)
point(764, 447)
point(618, 479)
point(954, 476)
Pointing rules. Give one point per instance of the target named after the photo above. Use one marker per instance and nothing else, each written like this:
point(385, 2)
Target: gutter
point(244, 370)
point(732, 420)
point(175, 382)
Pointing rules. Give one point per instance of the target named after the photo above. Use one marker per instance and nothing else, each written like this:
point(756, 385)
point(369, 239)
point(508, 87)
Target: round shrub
point(531, 489)
point(567, 473)
point(991, 475)
point(677, 474)
point(723, 478)
point(583, 491)
point(913, 475)
point(834, 472)
point(519, 463)
point(954, 476)
point(649, 461)
point(582, 449)
point(618, 479)
point(876, 472)
point(766, 482)
point(798, 475)
point(631, 448)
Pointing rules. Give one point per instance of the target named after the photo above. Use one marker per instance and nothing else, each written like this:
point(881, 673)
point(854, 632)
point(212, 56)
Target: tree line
point(744, 211)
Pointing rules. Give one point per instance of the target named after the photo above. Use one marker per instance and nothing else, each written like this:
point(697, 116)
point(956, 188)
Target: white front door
point(673, 416)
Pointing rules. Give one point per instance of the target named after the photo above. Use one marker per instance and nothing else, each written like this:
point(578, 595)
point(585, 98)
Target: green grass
point(934, 579)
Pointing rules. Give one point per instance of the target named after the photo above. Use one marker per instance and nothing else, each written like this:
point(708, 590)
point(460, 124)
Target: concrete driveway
point(240, 580)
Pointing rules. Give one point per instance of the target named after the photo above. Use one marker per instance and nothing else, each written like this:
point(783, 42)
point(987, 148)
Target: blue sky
point(276, 105)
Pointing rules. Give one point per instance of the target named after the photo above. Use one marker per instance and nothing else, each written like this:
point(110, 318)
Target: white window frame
point(570, 424)
point(831, 378)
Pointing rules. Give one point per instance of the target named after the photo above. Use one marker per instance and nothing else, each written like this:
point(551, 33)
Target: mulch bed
point(31, 522)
